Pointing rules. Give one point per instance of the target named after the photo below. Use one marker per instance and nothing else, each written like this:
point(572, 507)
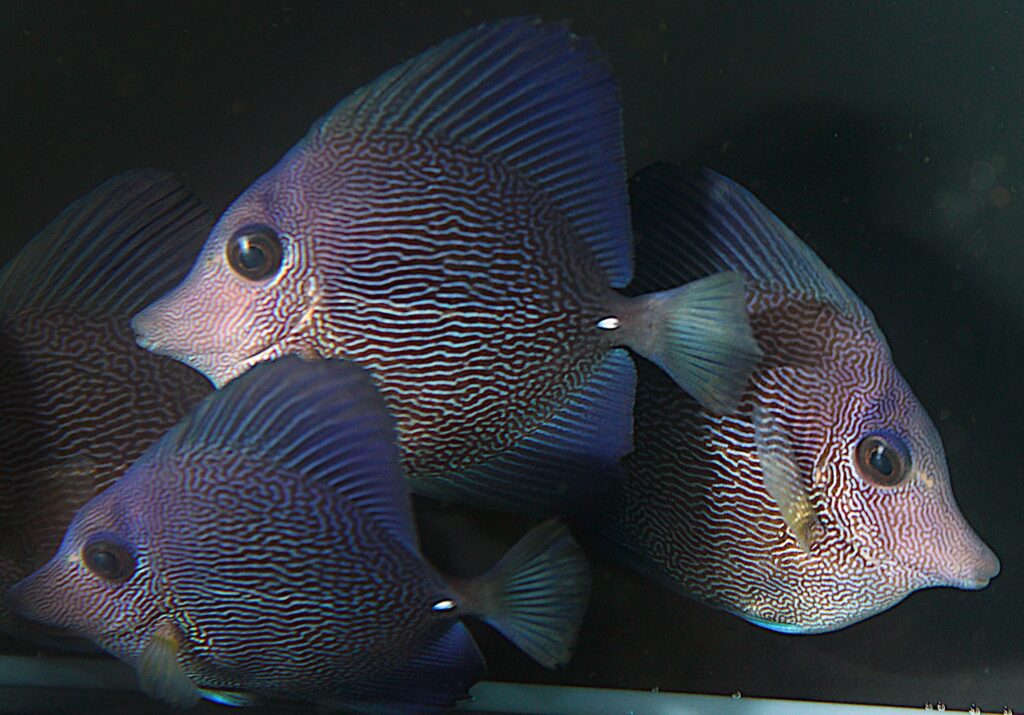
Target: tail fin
point(537, 594)
point(701, 336)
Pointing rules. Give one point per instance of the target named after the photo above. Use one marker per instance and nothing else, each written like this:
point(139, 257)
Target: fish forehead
point(462, 287)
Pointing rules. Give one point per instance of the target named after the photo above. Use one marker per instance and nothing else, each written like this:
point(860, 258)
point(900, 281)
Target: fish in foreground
point(825, 498)
point(81, 401)
point(265, 547)
point(461, 227)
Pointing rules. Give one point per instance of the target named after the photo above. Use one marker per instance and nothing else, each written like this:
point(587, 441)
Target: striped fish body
point(264, 548)
point(461, 286)
point(704, 509)
point(277, 584)
point(460, 227)
point(81, 400)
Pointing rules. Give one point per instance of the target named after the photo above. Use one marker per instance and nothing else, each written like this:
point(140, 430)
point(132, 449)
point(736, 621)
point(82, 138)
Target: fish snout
point(20, 600)
point(36, 599)
point(969, 565)
point(983, 567)
point(147, 328)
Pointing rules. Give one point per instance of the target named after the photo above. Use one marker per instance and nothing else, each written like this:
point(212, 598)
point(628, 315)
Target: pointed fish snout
point(986, 568)
point(35, 599)
point(970, 568)
point(19, 601)
point(144, 326)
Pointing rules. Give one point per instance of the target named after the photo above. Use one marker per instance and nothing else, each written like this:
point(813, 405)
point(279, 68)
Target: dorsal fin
point(533, 94)
point(115, 250)
point(324, 420)
point(689, 225)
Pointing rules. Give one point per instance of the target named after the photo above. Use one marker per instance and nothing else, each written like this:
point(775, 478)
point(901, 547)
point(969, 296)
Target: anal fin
point(565, 465)
point(431, 681)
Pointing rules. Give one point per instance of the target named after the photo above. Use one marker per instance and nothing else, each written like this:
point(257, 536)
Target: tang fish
point(265, 547)
point(81, 401)
point(825, 498)
point(460, 227)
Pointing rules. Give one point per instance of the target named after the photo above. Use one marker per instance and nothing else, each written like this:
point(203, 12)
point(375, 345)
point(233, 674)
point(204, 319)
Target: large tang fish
point(825, 498)
point(460, 226)
point(265, 548)
point(81, 401)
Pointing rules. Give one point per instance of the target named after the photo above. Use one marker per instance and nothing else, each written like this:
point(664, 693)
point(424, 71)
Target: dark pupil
point(255, 252)
point(250, 255)
point(104, 562)
point(880, 461)
point(109, 560)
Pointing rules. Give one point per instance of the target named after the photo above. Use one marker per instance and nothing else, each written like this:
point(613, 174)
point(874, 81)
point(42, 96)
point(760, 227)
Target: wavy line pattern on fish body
point(734, 547)
point(461, 290)
point(81, 400)
point(697, 511)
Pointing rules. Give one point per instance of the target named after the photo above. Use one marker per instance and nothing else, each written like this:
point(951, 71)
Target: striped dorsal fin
point(689, 225)
point(532, 94)
point(115, 250)
point(324, 420)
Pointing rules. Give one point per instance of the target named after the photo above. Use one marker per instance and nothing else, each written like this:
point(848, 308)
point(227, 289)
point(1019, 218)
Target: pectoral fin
point(160, 673)
point(782, 478)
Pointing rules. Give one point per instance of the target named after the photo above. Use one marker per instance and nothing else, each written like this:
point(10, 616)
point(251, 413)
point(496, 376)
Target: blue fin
point(703, 339)
point(537, 594)
point(567, 463)
point(231, 698)
point(535, 95)
point(430, 682)
point(690, 225)
point(115, 250)
point(324, 419)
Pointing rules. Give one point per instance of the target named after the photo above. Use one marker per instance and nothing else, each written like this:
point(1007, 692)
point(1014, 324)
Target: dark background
point(890, 136)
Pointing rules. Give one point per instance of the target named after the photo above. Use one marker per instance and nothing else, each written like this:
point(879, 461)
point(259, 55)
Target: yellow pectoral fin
point(783, 480)
point(160, 673)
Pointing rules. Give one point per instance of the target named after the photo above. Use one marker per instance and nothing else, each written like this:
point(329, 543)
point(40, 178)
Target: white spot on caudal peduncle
point(443, 605)
point(608, 323)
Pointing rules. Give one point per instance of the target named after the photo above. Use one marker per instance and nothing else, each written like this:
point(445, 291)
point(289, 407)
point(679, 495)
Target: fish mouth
point(988, 567)
point(147, 343)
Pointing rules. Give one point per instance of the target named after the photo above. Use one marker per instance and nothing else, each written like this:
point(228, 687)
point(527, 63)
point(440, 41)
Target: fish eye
point(108, 559)
point(883, 459)
point(254, 252)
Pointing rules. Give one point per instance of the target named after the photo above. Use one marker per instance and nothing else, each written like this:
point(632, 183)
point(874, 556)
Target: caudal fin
point(537, 594)
point(700, 334)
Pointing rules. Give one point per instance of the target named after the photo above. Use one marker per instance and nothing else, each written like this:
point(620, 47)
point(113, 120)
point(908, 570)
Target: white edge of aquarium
point(487, 697)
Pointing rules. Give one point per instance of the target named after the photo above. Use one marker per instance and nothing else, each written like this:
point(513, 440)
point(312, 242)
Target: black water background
point(890, 136)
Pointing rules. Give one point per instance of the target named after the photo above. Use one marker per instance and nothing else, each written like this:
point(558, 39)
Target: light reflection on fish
point(265, 548)
point(825, 498)
point(460, 226)
point(81, 401)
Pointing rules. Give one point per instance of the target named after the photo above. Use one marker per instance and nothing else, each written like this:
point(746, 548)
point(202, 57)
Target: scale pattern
point(465, 291)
